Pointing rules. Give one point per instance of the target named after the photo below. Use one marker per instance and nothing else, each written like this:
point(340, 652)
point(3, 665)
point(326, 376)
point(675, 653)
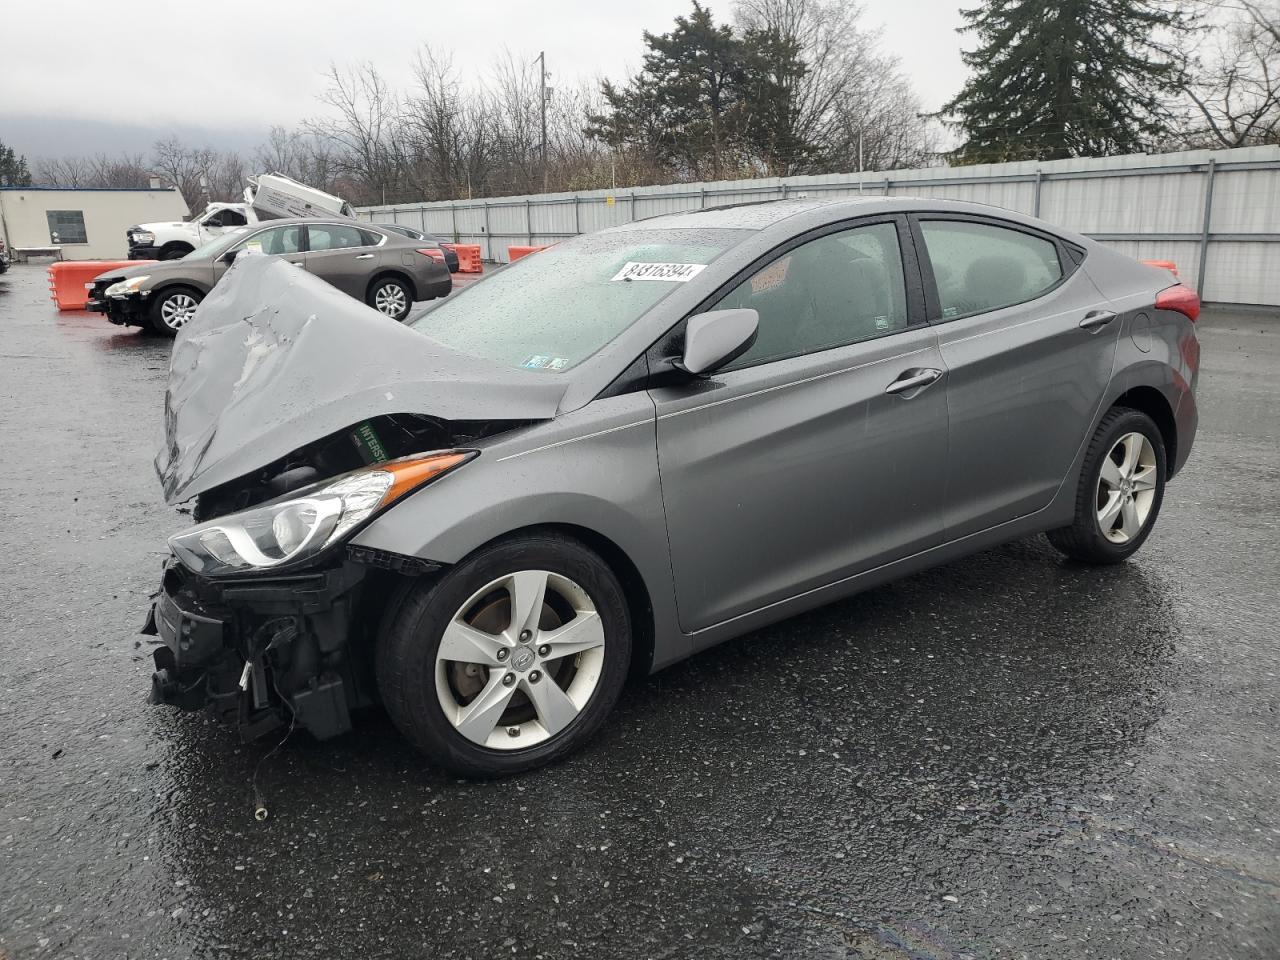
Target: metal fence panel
point(1214, 213)
point(1246, 201)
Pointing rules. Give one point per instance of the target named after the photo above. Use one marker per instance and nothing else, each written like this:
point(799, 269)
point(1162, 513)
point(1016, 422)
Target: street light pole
point(542, 61)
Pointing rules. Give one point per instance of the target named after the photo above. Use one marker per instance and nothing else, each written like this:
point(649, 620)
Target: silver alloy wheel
point(1126, 488)
point(177, 309)
point(529, 679)
point(390, 299)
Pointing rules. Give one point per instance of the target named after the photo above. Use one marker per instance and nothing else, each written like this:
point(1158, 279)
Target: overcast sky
point(232, 68)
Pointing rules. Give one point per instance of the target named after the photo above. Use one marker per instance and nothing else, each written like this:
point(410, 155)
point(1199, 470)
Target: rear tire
point(547, 678)
point(391, 297)
point(172, 309)
point(1120, 492)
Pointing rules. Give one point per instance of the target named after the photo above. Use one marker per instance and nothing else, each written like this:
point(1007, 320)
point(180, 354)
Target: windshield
point(218, 244)
point(553, 310)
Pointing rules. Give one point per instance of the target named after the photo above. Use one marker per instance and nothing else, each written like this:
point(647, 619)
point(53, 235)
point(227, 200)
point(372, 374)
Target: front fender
point(595, 469)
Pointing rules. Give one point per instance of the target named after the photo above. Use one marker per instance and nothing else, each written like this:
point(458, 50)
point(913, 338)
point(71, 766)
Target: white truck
point(267, 197)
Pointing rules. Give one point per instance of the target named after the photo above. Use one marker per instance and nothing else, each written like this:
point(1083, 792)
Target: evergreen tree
point(771, 123)
point(13, 169)
point(1067, 78)
point(684, 104)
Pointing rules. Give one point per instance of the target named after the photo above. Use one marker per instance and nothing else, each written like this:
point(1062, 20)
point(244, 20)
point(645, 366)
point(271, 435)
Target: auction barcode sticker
point(676, 272)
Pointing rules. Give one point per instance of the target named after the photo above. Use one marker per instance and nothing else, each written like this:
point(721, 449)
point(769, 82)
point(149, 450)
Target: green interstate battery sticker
point(366, 440)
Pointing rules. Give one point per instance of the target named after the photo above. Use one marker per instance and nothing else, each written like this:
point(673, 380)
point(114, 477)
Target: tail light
point(435, 253)
point(1181, 299)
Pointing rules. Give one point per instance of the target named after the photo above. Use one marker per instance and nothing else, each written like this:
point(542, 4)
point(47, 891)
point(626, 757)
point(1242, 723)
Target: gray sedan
point(638, 444)
point(386, 270)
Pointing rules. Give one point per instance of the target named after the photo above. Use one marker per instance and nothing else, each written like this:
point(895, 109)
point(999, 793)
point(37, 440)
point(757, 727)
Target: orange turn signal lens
point(411, 473)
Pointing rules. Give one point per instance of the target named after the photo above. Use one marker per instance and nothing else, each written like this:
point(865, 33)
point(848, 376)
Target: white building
point(88, 223)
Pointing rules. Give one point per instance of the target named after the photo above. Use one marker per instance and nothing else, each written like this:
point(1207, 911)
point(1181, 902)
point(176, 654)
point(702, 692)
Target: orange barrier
point(69, 278)
point(515, 253)
point(468, 256)
point(1163, 265)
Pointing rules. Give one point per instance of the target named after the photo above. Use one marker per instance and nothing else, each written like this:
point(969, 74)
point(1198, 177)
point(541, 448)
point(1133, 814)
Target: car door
point(819, 453)
point(342, 254)
point(281, 241)
point(1029, 343)
point(219, 223)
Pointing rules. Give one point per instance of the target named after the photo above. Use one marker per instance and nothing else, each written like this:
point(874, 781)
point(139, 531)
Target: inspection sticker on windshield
point(675, 272)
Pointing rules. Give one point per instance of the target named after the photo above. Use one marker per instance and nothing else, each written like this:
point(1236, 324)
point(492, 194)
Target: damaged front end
point(123, 309)
point(294, 416)
point(262, 651)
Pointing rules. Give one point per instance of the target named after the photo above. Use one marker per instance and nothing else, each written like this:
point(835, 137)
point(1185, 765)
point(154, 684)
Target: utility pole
point(542, 62)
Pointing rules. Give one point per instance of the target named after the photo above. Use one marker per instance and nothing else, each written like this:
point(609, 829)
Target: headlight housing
point(141, 237)
point(302, 524)
point(125, 287)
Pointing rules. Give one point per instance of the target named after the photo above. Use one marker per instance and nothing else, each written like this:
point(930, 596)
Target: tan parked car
point(386, 270)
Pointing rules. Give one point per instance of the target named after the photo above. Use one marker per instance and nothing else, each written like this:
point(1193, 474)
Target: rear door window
point(335, 236)
point(980, 267)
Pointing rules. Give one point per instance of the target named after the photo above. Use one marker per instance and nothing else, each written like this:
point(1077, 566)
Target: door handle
point(912, 379)
point(1096, 319)
point(365, 256)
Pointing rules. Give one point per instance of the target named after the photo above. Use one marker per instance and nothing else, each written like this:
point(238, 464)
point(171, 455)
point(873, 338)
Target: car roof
point(805, 213)
point(334, 219)
point(752, 215)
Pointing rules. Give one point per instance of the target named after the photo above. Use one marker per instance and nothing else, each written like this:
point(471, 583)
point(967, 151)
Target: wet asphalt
point(1011, 756)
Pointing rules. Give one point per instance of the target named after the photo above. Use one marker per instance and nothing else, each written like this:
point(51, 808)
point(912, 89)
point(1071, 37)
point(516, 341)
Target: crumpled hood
point(276, 358)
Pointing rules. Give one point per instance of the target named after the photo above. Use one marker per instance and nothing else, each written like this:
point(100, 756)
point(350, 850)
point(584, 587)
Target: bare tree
point(847, 105)
point(366, 130)
point(441, 121)
point(515, 113)
point(126, 170)
point(63, 172)
point(1236, 97)
point(181, 167)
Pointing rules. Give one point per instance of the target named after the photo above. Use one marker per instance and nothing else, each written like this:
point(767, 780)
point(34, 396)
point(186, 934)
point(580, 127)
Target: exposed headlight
point(301, 524)
point(125, 287)
point(141, 237)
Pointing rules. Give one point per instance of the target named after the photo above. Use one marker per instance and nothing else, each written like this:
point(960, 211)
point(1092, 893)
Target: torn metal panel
point(276, 359)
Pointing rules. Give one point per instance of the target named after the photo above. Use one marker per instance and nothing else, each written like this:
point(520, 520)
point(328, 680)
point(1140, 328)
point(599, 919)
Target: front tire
point(391, 297)
point(172, 309)
point(510, 660)
point(1120, 492)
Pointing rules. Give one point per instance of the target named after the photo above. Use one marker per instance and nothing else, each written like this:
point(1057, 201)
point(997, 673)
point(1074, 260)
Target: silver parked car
point(386, 270)
point(638, 444)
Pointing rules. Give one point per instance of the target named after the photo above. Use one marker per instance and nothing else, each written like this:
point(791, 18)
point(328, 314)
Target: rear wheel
point(172, 309)
point(1121, 490)
point(391, 296)
point(509, 661)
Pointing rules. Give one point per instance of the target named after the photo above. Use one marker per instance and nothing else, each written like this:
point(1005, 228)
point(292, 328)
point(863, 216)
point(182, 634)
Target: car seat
point(994, 281)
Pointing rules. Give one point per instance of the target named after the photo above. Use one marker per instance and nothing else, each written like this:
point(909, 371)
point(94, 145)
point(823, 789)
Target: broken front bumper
point(264, 651)
point(124, 311)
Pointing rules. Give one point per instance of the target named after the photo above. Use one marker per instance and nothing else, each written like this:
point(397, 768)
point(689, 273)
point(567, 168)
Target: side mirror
point(718, 337)
point(229, 256)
